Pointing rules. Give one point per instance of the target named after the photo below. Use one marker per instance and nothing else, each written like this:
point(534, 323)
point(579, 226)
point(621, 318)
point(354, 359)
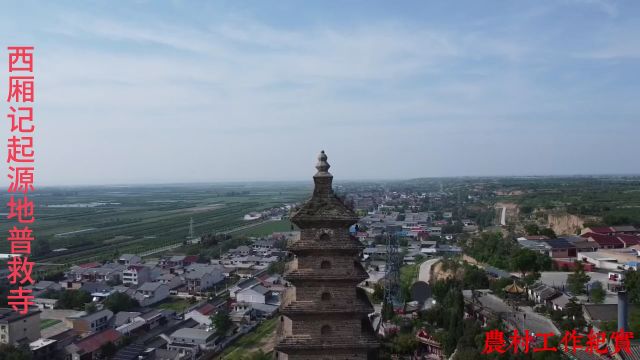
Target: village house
point(89, 348)
point(543, 294)
point(612, 230)
point(129, 259)
point(202, 279)
point(253, 294)
point(94, 322)
point(136, 275)
point(202, 315)
point(150, 293)
point(560, 248)
point(17, 328)
point(604, 241)
point(263, 245)
point(171, 280)
point(240, 250)
point(191, 341)
point(107, 272)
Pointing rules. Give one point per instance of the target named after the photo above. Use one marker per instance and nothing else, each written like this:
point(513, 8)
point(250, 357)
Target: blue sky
point(189, 91)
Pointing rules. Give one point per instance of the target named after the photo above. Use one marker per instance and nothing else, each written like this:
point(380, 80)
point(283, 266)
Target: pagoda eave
point(299, 344)
point(299, 310)
point(296, 276)
point(353, 247)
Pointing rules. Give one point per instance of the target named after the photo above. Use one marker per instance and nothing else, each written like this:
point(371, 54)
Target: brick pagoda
point(325, 313)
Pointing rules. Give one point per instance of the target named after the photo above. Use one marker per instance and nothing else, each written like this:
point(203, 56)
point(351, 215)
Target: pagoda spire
point(324, 206)
point(323, 178)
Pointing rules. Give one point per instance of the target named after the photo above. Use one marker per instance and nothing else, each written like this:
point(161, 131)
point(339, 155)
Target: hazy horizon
point(146, 92)
point(309, 180)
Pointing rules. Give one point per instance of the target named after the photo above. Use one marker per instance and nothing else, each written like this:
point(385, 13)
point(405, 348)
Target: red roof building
point(613, 230)
point(206, 309)
point(604, 241)
point(600, 230)
point(190, 259)
point(628, 240)
point(93, 343)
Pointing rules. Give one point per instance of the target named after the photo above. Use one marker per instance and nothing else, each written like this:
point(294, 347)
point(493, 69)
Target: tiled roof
point(629, 240)
point(206, 309)
point(560, 244)
point(93, 342)
point(603, 240)
point(602, 312)
point(601, 230)
point(97, 315)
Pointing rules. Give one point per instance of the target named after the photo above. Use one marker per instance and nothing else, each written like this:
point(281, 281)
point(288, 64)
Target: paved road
point(425, 269)
point(533, 321)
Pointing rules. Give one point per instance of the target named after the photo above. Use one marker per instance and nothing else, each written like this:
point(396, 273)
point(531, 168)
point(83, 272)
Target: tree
point(475, 278)
point(574, 318)
point(222, 322)
point(10, 352)
point(632, 284)
point(532, 229)
point(378, 293)
point(597, 293)
point(525, 209)
point(120, 302)
point(548, 232)
point(404, 343)
point(524, 261)
point(73, 299)
point(90, 308)
point(532, 277)
point(578, 279)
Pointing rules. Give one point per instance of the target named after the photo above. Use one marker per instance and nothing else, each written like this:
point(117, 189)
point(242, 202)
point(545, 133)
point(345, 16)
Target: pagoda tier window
point(325, 330)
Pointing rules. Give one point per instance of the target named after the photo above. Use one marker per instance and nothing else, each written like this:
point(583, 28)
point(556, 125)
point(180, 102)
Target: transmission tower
point(191, 229)
point(392, 291)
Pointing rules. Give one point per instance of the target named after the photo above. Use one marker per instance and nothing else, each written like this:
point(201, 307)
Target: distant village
point(185, 307)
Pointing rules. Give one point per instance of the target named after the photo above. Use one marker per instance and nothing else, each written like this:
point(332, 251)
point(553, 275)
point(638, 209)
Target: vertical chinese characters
point(20, 162)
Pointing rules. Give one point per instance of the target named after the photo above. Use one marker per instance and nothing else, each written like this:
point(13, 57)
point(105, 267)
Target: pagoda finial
point(322, 166)
point(323, 177)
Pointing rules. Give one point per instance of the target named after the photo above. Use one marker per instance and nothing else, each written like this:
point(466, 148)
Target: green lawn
point(176, 304)
point(45, 323)
point(251, 342)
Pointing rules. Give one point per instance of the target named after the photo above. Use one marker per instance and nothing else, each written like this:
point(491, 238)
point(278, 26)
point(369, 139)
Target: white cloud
point(156, 101)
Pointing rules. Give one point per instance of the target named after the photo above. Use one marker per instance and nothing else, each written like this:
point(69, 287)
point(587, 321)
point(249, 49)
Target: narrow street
point(523, 318)
point(425, 270)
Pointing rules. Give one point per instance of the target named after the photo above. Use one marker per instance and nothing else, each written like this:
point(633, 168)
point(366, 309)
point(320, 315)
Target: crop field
point(81, 224)
point(266, 228)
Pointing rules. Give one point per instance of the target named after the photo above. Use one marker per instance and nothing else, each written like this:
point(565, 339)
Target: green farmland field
point(81, 224)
